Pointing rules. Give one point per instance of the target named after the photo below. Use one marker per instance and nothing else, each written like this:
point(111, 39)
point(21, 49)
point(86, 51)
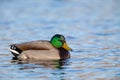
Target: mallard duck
point(56, 48)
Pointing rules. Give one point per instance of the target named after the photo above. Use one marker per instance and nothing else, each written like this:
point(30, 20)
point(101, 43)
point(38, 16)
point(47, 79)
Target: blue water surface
point(91, 28)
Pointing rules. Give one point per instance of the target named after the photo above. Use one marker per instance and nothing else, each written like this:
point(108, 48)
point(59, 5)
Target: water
point(91, 28)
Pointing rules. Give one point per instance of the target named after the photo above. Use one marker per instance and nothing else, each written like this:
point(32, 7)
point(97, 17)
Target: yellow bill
point(65, 46)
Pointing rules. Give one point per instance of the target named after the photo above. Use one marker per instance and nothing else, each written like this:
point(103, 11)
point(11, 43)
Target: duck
point(56, 48)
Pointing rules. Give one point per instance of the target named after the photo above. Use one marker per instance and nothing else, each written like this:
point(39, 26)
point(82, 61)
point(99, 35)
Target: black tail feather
point(15, 50)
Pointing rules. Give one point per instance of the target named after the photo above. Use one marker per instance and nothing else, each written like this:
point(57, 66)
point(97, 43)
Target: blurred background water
point(91, 28)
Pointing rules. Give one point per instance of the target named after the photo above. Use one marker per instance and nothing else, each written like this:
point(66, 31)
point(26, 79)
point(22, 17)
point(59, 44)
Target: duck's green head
point(58, 41)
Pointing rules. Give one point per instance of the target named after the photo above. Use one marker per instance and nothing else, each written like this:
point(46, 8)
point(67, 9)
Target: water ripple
point(91, 28)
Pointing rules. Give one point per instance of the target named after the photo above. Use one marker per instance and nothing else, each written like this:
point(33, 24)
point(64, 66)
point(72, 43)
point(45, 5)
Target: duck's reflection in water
point(54, 64)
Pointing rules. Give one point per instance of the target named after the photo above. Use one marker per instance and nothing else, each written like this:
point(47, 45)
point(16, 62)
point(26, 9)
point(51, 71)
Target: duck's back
point(35, 45)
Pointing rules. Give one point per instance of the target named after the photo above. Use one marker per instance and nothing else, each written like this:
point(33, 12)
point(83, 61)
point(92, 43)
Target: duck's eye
point(60, 40)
